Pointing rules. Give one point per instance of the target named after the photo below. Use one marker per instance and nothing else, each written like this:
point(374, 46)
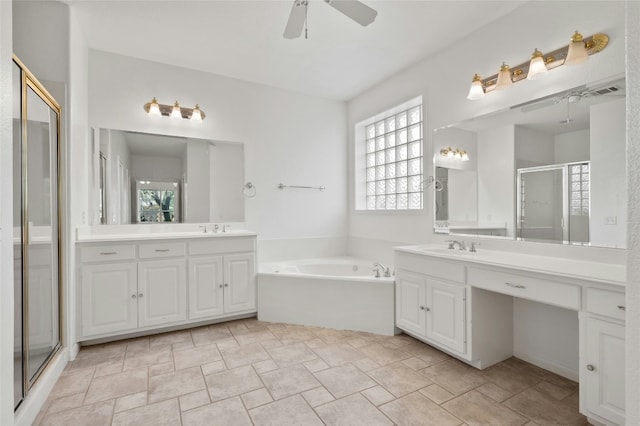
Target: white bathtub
point(339, 293)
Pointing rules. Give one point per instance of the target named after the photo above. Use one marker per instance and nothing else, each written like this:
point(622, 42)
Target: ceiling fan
point(359, 12)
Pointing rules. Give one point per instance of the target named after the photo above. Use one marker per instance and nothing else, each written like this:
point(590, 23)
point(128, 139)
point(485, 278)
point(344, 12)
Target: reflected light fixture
point(154, 108)
point(537, 67)
point(576, 52)
point(475, 91)
point(456, 154)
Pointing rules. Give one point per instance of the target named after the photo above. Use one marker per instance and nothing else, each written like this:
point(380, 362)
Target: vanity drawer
point(156, 250)
point(431, 266)
point(536, 289)
point(108, 253)
point(219, 245)
point(604, 302)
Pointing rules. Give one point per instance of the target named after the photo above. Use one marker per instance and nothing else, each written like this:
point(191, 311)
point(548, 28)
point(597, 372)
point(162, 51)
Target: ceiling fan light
point(476, 91)
point(196, 115)
point(537, 67)
point(577, 52)
point(154, 108)
point(175, 111)
point(504, 77)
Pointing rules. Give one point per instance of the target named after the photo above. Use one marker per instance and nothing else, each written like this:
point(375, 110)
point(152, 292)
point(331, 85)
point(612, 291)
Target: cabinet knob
point(140, 295)
point(422, 308)
point(226, 285)
point(622, 307)
point(590, 367)
point(133, 296)
point(220, 286)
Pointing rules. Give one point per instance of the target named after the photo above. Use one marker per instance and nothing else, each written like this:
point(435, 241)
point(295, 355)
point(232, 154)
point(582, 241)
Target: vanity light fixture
point(457, 154)
point(154, 108)
point(577, 51)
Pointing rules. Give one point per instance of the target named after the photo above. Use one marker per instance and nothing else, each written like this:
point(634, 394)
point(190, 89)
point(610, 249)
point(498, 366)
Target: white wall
point(633, 237)
point(533, 148)
point(463, 195)
point(572, 147)
point(6, 225)
point(288, 137)
point(199, 178)
point(118, 155)
point(608, 174)
point(227, 203)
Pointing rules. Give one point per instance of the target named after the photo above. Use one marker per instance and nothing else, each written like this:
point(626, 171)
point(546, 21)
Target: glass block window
point(390, 155)
point(579, 189)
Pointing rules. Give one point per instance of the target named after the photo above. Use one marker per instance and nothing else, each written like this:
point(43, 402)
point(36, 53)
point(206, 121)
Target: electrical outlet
point(611, 220)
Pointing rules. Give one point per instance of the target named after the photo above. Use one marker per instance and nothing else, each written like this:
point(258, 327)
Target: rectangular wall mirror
point(549, 170)
point(144, 178)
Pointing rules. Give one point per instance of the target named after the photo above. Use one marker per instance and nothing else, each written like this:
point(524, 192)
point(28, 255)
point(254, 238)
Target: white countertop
point(112, 238)
point(606, 273)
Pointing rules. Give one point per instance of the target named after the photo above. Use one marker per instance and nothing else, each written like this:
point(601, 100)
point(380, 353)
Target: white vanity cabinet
point(135, 286)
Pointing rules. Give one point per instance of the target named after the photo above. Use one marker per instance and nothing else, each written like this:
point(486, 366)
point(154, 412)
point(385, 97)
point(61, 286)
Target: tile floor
point(250, 372)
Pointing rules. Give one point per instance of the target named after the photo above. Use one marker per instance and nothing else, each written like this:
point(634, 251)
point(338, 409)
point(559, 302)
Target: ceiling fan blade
point(295, 24)
point(359, 12)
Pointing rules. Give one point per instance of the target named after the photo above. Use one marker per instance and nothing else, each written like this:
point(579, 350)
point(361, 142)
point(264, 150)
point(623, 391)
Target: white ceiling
point(243, 39)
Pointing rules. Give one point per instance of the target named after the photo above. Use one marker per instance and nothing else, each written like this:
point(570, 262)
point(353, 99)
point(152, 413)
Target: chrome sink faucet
point(460, 244)
point(204, 229)
point(386, 271)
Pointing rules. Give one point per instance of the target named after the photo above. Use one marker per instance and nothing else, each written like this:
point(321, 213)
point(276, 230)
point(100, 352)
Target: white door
point(239, 283)
point(162, 291)
point(109, 298)
point(206, 287)
point(605, 375)
point(445, 314)
point(411, 302)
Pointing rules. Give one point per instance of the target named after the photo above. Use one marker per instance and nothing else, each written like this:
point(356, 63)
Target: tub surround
point(463, 303)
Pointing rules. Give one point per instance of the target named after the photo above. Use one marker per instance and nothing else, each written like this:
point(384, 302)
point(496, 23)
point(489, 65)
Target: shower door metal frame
point(29, 81)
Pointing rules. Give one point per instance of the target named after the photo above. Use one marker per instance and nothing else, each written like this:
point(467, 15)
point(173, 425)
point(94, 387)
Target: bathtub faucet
point(386, 271)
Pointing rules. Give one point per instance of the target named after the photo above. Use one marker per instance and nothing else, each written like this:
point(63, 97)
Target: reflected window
point(157, 202)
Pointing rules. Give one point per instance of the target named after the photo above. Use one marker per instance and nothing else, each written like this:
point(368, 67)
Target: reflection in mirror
point(550, 170)
point(148, 178)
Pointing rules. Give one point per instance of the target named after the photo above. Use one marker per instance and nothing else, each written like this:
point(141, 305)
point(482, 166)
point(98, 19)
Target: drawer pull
point(162, 250)
point(590, 367)
point(105, 253)
point(622, 307)
point(226, 285)
point(140, 295)
point(516, 285)
point(220, 286)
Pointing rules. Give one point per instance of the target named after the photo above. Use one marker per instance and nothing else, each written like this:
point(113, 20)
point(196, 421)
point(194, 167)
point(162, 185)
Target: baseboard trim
point(560, 370)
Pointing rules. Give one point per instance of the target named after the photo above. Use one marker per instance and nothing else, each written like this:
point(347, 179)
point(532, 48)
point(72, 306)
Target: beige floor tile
point(366, 364)
point(378, 395)
point(359, 342)
point(168, 339)
point(165, 413)
point(138, 344)
point(399, 379)
point(72, 383)
point(289, 411)
point(156, 370)
point(436, 393)
point(291, 354)
point(338, 354)
point(128, 402)
point(106, 369)
point(180, 346)
point(243, 355)
point(227, 344)
point(207, 335)
point(228, 412)
point(174, 384)
point(196, 356)
point(289, 381)
point(95, 356)
point(265, 366)
point(494, 392)
point(213, 367)
point(329, 335)
point(384, 355)
point(290, 333)
point(476, 409)
point(317, 396)
point(454, 376)
point(147, 358)
point(256, 398)
point(255, 322)
point(544, 409)
point(316, 365)
point(350, 411)
point(194, 400)
point(557, 392)
point(316, 343)
point(573, 401)
point(427, 353)
point(511, 378)
point(254, 336)
point(344, 380)
point(234, 382)
point(116, 385)
point(416, 409)
point(272, 343)
point(415, 363)
point(95, 415)
point(66, 403)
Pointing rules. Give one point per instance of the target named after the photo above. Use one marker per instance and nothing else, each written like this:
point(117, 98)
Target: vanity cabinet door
point(162, 291)
point(411, 302)
point(604, 362)
point(206, 287)
point(445, 307)
point(109, 298)
point(239, 283)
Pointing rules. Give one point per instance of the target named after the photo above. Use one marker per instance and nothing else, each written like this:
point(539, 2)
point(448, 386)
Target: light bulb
point(450, 153)
point(154, 108)
point(504, 77)
point(537, 67)
point(196, 114)
point(476, 91)
point(175, 111)
point(465, 156)
point(577, 52)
